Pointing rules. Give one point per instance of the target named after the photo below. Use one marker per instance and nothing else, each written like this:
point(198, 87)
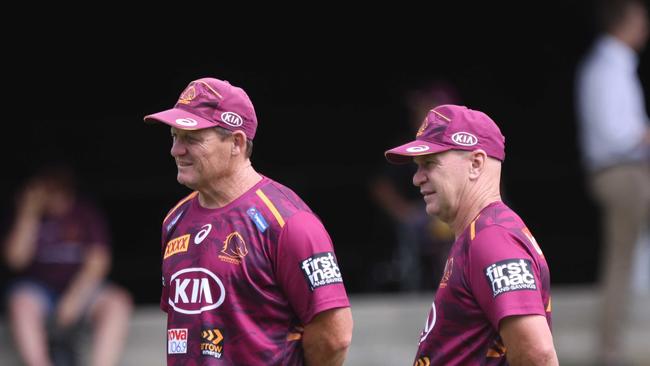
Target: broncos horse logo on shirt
point(234, 248)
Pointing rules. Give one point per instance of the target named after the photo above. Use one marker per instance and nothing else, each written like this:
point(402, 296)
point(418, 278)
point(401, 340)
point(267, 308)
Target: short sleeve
point(165, 290)
point(504, 278)
point(164, 306)
point(307, 269)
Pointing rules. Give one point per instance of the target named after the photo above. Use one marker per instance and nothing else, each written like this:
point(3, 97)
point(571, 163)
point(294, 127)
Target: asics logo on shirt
point(205, 230)
point(195, 290)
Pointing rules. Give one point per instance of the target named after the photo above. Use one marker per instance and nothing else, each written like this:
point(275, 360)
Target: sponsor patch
point(321, 269)
point(232, 119)
point(195, 290)
point(176, 341)
point(177, 245)
point(258, 219)
point(212, 343)
point(464, 138)
point(510, 275)
point(423, 361)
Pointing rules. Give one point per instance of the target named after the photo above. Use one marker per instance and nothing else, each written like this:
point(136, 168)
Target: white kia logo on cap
point(186, 122)
point(231, 119)
point(464, 138)
point(417, 149)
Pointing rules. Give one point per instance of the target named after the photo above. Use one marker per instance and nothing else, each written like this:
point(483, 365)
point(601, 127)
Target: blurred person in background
point(615, 144)
point(58, 246)
point(493, 304)
point(421, 241)
point(249, 272)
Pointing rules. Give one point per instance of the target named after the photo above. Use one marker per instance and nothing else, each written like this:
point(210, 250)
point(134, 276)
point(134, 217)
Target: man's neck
point(229, 188)
point(476, 202)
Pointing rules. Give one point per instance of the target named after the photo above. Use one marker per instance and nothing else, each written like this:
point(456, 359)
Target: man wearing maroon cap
point(248, 271)
point(493, 305)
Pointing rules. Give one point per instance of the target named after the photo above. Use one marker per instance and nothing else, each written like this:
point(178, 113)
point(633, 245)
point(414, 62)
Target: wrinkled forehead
point(435, 157)
point(184, 132)
point(446, 155)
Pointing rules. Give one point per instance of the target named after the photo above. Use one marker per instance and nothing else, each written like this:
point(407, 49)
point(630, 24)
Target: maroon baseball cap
point(210, 102)
point(452, 127)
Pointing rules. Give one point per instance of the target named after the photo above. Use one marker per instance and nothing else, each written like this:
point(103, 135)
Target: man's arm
point(528, 340)
point(327, 337)
point(20, 244)
point(95, 267)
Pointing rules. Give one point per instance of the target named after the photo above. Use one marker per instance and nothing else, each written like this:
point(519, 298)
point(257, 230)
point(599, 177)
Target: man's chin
point(185, 181)
point(432, 210)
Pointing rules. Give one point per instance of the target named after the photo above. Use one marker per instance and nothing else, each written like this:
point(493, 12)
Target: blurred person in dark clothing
point(58, 245)
point(421, 241)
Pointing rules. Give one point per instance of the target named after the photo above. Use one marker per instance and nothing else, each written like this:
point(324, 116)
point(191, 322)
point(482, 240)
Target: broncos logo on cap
point(188, 95)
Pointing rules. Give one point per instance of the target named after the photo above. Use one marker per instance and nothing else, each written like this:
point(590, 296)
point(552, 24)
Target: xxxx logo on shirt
point(177, 245)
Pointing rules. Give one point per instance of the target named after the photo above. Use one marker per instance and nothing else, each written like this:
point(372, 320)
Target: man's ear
point(477, 163)
point(239, 142)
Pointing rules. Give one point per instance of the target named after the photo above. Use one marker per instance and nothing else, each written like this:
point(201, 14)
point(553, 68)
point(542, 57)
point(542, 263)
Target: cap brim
point(404, 154)
point(180, 119)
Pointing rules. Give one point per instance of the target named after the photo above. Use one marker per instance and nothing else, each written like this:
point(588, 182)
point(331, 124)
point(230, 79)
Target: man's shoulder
point(283, 198)
point(498, 215)
point(496, 220)
point(182, 202)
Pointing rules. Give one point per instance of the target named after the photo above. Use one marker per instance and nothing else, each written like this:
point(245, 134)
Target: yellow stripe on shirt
point(189, 197)
point(271, 207)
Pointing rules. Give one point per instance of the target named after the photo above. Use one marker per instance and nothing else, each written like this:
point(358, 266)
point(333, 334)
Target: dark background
point(328, 88)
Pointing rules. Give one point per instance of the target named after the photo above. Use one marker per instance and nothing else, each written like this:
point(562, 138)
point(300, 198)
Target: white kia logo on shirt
point(464, 138)
point(232, 119)
point(186, 122)
point(417, 149)
point(195, 290)
point(205, 230)
point(429, 323)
